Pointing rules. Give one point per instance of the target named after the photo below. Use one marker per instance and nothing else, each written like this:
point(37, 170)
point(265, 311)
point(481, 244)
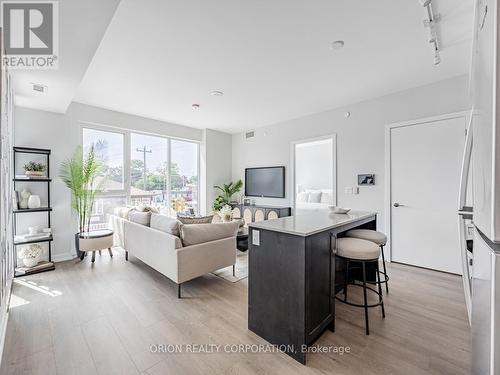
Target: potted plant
point(228, 190)
point(80, 173)
point(33, 169)
point(30, 254)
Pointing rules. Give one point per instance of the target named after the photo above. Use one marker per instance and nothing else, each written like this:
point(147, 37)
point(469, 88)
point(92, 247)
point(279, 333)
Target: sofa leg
point(93, 256)
point(110, 252)
point(234, 269)
point(126, 255)
point(178, 290)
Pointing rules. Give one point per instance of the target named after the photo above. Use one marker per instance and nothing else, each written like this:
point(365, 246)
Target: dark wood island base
point(291, 273)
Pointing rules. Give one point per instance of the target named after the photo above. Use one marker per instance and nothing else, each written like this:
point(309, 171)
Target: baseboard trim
point(63, 257)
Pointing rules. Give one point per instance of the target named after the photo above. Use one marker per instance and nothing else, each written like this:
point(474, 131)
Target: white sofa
point(165, 252)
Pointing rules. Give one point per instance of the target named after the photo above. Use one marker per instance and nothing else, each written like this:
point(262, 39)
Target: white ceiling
point(270, 58)
point(81, 27)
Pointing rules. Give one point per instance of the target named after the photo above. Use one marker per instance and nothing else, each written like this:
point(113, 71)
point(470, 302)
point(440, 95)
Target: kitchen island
point(291, 273)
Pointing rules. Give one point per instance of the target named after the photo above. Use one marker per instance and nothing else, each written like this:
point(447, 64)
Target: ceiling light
point(216, 93)
point(195, 107)
point(338, 44)
point(424, 3)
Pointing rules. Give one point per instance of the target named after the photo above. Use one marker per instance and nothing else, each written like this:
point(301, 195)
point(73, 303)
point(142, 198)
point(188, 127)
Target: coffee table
point(242, 239)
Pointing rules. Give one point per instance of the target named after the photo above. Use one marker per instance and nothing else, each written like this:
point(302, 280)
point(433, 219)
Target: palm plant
point(80, 173)
point(228, 190)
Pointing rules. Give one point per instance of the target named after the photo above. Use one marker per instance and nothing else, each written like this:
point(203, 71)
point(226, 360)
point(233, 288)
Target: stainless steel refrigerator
point(481, 219)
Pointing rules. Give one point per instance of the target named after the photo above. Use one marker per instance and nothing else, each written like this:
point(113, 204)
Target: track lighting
point(437, 57)
point(430, 23)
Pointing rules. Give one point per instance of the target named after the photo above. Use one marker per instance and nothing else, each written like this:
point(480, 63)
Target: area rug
point(241, 271)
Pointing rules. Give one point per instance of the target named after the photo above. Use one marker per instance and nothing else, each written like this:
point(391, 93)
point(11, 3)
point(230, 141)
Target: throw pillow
point(143, 218)
point(122, 212)
point(326, 196)
point(302, 197)
point(144, 208)
point(314, 196)
point(200, 233)
point(165, 224)
point(196, 220)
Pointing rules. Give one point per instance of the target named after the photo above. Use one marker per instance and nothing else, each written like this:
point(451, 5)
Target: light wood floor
point(102, 319)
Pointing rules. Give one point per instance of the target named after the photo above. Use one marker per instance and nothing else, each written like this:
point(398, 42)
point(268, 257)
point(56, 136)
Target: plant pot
point(30, 262)
point(77, 245)
point(34, 174)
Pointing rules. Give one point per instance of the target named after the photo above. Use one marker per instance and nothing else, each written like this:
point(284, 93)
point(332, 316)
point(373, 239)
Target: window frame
point(127, 157)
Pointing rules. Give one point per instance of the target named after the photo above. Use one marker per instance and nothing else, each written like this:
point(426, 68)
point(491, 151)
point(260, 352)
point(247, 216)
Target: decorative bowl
point(338, 210)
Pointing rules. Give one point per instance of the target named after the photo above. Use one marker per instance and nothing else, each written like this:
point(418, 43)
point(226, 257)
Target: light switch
point(255, 237)
point(355, 190)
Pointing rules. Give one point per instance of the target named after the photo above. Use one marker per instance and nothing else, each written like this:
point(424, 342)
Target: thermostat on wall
point(366, 179)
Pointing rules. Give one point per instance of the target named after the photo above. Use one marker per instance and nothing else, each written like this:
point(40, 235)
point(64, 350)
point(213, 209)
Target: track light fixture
point(430, 23)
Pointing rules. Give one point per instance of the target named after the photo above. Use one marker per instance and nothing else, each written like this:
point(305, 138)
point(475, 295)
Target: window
point(109, 149)
point(184, 176)
point(150, 170)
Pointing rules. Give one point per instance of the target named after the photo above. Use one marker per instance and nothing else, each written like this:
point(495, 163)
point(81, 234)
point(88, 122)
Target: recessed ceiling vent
point(39, 88)
point(249, 134)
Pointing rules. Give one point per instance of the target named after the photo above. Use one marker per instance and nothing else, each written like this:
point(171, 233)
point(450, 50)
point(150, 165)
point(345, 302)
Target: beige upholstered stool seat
point(355, 248)
point(370, 235)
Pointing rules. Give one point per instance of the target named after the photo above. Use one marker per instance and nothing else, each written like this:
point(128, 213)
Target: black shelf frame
point(32, 179)
point(48, 239)
point(48, 209)
point(25, 210)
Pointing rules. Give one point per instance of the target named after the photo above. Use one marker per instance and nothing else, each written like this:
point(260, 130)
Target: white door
point(425, 176)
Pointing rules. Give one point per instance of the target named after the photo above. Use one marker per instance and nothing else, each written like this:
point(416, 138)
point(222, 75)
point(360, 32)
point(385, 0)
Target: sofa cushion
point(200, 233)
point(196, 220)
point(122, 212)
point(165, 224)
point(143, 218)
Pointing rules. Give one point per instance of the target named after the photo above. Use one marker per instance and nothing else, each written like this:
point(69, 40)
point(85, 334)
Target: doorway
point(424, 165)
point(314, 174)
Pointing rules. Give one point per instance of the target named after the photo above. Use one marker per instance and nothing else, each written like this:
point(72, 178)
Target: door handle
point(398, 205)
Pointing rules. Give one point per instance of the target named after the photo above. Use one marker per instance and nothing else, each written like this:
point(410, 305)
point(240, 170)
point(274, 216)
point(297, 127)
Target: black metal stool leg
point(380, 300)
point(93, 256)
point(346, 281)
point(385, 271)
point(365, 298)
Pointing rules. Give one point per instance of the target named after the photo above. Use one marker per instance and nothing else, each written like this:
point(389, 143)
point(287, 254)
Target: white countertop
point(311, 223)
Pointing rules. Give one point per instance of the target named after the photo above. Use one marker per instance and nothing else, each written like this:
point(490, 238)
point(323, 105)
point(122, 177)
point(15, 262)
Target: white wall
point(217, 154)
point(34, 128)
point(61, 134)
point(360, 139)
point(314, 165)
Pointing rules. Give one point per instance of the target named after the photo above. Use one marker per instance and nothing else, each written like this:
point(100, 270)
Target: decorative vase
point(25, 194)
point(34, 201)
point(30, 262)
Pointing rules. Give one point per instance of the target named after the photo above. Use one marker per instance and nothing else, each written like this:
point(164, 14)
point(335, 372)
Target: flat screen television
point(265, 182)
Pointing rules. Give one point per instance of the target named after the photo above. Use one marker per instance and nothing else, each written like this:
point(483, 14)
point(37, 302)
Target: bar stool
point(376, 237)
point(360, 251)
